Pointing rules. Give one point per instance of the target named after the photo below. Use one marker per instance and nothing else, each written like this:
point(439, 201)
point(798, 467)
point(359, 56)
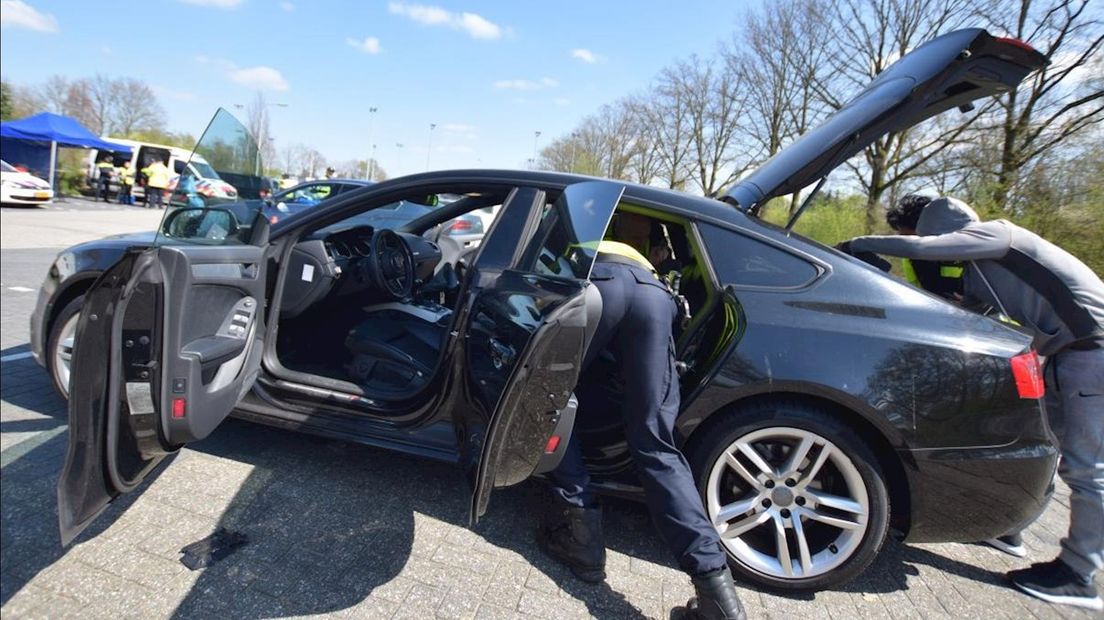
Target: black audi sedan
point(824, 402)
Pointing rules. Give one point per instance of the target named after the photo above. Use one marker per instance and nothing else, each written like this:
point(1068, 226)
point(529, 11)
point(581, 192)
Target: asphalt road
point(344, 530)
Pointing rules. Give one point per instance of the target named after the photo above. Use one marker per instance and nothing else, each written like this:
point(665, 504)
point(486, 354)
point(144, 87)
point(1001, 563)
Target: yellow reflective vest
point(157, 174)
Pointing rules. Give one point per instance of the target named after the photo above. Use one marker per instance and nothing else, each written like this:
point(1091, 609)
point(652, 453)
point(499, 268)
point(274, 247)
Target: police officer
point(636, 324)
point(1060, 301)
point(157, 179)
point(104, 171)
point(125, 175)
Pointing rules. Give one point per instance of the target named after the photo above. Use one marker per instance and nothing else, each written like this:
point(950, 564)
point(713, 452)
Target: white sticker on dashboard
point(308, 273)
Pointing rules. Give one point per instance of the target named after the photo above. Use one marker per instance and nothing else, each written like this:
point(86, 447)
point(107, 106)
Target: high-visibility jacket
point(105, 169)
point(125, 175)
point(943, 278)
point(623, 251)
point(157, 174)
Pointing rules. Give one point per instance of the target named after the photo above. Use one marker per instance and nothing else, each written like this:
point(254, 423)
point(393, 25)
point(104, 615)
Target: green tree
point(5, 100)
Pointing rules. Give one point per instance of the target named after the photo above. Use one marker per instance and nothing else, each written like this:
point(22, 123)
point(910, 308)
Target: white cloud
point(258, 78)
point(370, 45)
point(587, 56)
point(476, 26)
point(217, 4)
point(287, 6)
point(540, 84)
point(19, 14)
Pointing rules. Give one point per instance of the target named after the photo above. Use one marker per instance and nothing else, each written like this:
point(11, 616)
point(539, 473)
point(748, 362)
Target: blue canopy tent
point(36, 134)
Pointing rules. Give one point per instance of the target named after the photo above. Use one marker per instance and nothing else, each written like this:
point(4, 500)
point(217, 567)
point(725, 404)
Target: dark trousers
point(637, 314)
point(155, 197)
point(103, 186)
point(124, 194)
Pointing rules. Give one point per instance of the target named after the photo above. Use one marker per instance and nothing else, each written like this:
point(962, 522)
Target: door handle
point(501, 354)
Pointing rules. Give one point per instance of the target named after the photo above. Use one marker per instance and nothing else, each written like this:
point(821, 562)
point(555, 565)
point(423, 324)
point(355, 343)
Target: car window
point(310, 194)
point(743, 261)
point(566, 241)
point(178, 167)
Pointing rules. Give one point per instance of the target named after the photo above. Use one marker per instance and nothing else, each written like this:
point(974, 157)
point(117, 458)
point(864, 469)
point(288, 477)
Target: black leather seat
point(394, 350)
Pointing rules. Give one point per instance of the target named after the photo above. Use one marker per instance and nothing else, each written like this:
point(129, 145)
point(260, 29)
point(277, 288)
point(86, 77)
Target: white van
point(144, 153)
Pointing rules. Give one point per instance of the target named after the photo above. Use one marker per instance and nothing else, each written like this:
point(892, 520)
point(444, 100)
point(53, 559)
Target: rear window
point(743, 261)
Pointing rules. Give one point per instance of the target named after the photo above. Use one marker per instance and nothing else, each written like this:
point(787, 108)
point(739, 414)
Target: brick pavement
point(349, 531)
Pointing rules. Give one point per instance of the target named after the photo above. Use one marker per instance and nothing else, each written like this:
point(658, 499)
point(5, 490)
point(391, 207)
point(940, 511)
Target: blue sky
point(488, 74)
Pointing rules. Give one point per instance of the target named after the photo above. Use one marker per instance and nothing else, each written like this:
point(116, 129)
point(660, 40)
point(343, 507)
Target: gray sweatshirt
point(1040, 285)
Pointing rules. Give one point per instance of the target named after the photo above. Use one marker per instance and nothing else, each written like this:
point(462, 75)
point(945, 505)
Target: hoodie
point(1035, 282)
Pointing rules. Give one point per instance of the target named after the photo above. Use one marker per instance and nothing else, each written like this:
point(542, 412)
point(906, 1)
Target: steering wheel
point(392, 264)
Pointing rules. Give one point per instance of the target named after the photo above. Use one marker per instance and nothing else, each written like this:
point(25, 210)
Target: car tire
point(847, 488)
point(63, 327)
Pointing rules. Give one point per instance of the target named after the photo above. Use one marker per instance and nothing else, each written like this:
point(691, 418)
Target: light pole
point(574, 143)
point(429, 148)
point(372, 165)
point(398, 160)
point(371, 115)
point(536, 136)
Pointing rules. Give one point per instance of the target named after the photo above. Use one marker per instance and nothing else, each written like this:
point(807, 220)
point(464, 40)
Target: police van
point(142, 154)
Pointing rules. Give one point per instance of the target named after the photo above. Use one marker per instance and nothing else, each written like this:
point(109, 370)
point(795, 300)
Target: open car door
point(525, 334)
point(168, 341)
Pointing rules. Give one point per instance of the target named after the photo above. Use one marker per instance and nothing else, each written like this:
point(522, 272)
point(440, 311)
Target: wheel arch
point(72, 289)
point(897, 481)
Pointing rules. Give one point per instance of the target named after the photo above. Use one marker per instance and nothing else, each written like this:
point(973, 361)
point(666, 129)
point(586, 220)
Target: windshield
point(204, 169)
point(6, 167)
point(207, 203)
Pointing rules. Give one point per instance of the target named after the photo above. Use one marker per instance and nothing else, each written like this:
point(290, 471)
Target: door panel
point(524, 334)
point(168, 342)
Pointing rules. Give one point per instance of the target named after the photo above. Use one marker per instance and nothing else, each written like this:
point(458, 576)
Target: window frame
point(819, 267)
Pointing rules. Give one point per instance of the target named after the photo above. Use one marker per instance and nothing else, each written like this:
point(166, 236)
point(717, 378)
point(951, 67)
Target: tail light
point(553, 443)
point(1018, 43)
point(460, 226)
point(1028, 375)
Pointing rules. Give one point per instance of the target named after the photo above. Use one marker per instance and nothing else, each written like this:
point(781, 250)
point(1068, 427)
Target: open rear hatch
point(949, 71)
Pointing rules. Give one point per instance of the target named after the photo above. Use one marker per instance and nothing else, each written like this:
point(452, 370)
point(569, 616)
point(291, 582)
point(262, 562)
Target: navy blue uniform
point(637, 314)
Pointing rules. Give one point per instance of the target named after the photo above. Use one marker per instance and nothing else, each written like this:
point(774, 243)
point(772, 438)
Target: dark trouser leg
point(1076, 380)
point(646, 351)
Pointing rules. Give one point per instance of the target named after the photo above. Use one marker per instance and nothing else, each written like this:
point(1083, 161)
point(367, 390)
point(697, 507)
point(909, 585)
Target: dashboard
point(337, 263)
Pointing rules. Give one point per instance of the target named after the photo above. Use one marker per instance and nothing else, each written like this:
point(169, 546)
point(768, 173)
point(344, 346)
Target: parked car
point(823, 401)
point(22, 188)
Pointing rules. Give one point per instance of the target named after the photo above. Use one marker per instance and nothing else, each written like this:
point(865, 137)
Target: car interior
point(367, 310)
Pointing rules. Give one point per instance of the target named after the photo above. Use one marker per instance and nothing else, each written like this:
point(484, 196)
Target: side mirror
point(210, 224)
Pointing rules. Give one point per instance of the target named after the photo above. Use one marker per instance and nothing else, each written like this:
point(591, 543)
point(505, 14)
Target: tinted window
point(567, 238)
point(743, 261)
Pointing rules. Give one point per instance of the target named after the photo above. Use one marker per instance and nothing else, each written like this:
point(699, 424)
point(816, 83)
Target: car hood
point(949, 71)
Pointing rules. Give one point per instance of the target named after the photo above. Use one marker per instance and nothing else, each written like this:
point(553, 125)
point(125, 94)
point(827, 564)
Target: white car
point(22, 188)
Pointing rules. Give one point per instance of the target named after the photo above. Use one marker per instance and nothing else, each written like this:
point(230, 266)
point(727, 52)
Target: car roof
point(669, 199)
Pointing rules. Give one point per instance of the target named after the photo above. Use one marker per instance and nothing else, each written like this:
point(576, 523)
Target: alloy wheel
point(63, 352)
point(787, 503)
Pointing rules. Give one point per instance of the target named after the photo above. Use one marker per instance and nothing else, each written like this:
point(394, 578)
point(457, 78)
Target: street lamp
point(536, 136)
point(574, 143)
point(369, 167)
point(398, 160)
point(372, 165)
point(429, 148)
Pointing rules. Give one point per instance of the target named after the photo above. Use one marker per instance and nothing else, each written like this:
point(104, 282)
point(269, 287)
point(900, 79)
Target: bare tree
point(134, 107)
point(1060, 101)
point(664, 114)
point(258, 120)
point(869, 36)
point(714, 105)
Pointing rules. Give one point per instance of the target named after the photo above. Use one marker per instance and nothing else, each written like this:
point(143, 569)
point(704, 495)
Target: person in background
point(104, 173)
point(157, 179)
point(330, 172)
point(125, 174)
point(286, 182)
point(1060, 301)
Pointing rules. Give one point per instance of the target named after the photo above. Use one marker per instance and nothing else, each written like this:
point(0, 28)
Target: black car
point(823, 402)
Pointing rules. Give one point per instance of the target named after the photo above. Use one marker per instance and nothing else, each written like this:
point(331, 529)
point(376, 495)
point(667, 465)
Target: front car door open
point(525, 332)
point(169, 340)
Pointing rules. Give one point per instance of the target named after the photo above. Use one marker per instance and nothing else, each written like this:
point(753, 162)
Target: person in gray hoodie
point(1060, 300)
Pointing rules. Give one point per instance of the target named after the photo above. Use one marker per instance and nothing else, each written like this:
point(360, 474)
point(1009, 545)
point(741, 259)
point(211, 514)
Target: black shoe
point(1012, 544)
point(573, 536)
point(716, 599)
point(1056, 582)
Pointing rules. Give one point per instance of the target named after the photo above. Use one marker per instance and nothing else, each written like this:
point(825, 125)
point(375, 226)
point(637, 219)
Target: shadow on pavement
point(330, 523)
